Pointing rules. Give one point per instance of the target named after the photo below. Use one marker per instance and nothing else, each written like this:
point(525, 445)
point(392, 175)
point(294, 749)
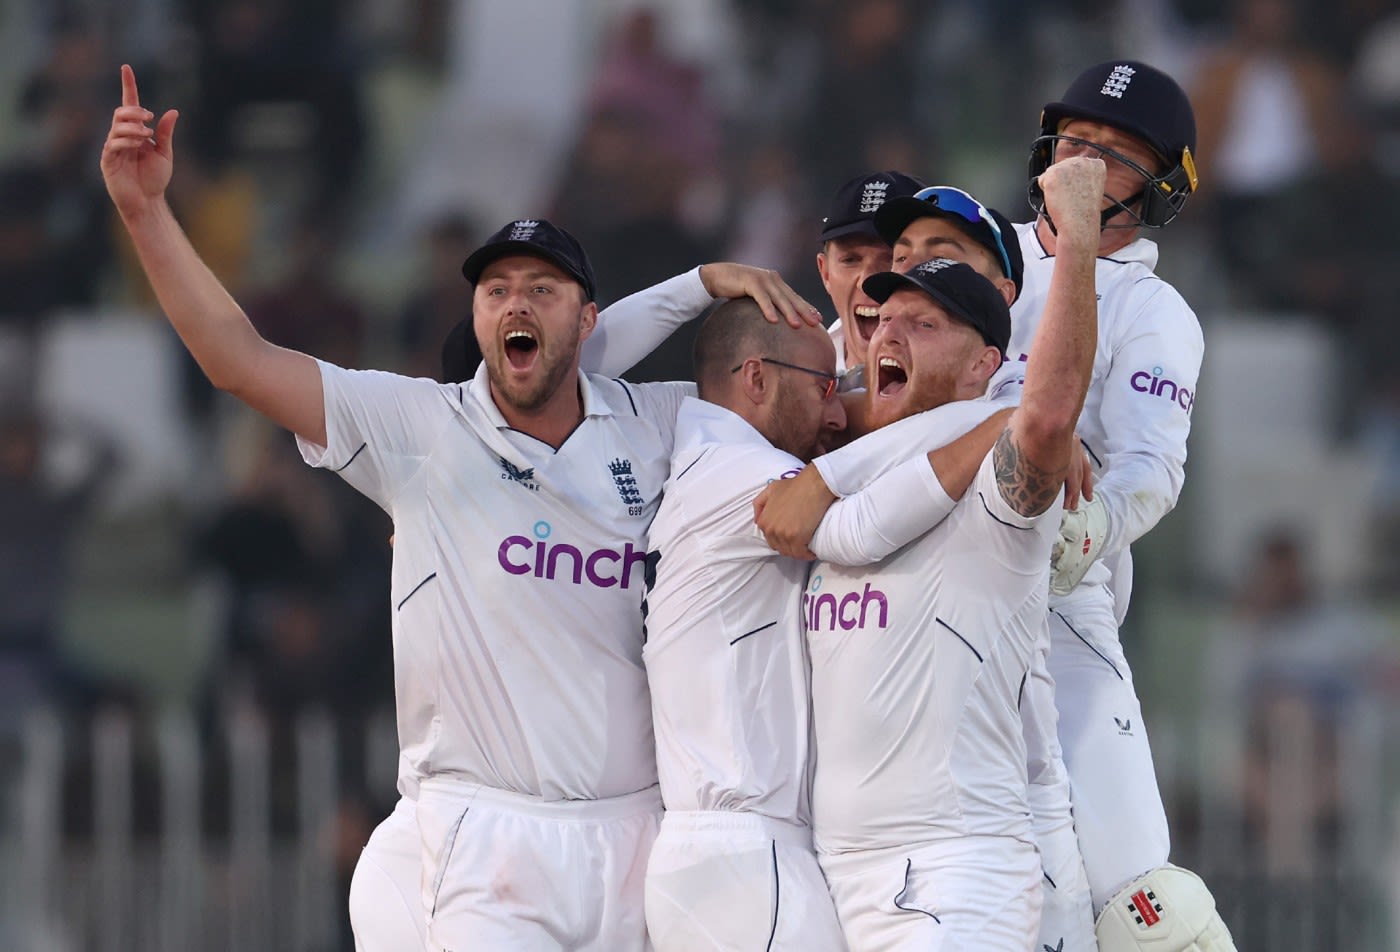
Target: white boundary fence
point(175, 887)
point(171, 887)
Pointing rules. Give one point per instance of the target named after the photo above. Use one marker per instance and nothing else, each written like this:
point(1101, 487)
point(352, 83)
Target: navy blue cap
point(540, 239)
point(963, 292)
point(853, 207)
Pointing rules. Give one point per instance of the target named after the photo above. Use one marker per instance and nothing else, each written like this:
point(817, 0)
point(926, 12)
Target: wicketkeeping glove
point(1082, 534)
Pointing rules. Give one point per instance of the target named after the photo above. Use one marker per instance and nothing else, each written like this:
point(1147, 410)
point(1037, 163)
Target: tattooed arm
point(1032, 456)
point(1026, 486)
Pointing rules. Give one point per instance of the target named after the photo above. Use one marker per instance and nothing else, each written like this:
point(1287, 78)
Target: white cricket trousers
point(1118, 812)
point(730, 880)
point(506, 872)
point(969, 894)
point(1067, 911)
point(386, 911)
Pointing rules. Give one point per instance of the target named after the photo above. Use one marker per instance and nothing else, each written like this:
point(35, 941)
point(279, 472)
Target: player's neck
point(552, 421)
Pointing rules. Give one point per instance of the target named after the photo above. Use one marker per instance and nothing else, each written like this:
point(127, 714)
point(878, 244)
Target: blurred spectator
point(1292, 668)
point(1272, 126)
point(1294, 677)
point(1376, 79)
point(32, 281)
point(864, 90)
point(41, 523)
point(306, 565)
point(53, 208)
point(648, 139)
point(262, 53)
point(308, 310)
point(444, 300)
point(636, 76)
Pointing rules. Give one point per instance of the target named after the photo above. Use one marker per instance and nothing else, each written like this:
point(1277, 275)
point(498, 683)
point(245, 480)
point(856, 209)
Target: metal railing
point(110, 842)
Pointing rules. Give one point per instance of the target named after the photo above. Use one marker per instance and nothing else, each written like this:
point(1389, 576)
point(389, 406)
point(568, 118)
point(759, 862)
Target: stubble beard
point(922, 392)
point(528, 396)
point(791, 429)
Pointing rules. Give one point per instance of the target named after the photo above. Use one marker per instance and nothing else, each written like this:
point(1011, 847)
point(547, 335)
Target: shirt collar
point(1142, 251)
point(700, 423)
point(480, 389)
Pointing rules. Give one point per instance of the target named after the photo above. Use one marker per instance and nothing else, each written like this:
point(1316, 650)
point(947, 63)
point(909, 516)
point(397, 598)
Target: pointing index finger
point(129, 96)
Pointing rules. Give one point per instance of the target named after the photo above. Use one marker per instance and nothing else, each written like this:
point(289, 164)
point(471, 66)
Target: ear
point(823, 271)
point(986, 363)
point(754, 384)
point(587, 320)
point(1007, 287)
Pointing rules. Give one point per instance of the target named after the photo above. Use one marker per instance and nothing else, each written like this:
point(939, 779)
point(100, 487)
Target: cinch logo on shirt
point(827, 611)
point(537, 556)
point(1159, 386)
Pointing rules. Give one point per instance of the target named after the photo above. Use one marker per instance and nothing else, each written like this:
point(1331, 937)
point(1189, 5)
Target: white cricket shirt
point(918, 664)
point(724, 650)
point(1137, 413)
point(518, 576)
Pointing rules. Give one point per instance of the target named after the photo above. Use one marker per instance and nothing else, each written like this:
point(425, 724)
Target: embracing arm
point(906, 502)
point(903, 502)
point(638, 324)
point(136, 165)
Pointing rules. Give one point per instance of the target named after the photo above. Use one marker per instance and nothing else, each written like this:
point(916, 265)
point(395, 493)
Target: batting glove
point(1082, 534)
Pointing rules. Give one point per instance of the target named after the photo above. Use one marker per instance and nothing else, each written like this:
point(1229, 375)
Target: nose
point(517, 302)
point(834, 417)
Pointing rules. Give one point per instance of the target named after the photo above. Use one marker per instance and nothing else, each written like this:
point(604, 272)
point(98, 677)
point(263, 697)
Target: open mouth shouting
point(867, 319)
point(891, 377)
point(521, 349)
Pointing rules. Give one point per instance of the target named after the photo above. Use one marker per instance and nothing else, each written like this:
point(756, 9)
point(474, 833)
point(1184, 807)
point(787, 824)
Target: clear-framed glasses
point(830, 378)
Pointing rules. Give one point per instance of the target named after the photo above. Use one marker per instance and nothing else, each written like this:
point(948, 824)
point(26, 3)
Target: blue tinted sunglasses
point(957, 202)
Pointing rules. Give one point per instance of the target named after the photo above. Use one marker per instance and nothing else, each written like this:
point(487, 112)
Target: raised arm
point(1032, 457)
point(137, 163)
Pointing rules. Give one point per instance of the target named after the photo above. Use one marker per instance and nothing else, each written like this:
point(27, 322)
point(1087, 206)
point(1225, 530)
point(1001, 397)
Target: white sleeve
point(857, 464)
point(989, 524)
point(891, 512)
point(379, 428)
point(632, 328)
point(1146, 413)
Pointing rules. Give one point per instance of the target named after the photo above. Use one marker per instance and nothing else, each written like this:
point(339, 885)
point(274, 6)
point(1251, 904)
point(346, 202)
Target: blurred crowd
point(336, 160)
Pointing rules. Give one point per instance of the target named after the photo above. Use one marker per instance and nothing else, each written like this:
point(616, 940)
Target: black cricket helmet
point(1144, 102)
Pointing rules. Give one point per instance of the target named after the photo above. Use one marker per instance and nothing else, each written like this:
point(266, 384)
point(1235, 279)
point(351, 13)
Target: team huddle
point(818, 652)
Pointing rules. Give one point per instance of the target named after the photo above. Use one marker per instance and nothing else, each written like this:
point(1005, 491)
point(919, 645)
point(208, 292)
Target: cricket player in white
point(733, 867)
point(1134, 426)
point(919, 802)
point(940, 221)
point(520, 504)
point(851, 251)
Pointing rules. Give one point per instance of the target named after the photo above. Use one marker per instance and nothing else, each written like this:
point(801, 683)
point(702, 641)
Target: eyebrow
point(529, 276)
